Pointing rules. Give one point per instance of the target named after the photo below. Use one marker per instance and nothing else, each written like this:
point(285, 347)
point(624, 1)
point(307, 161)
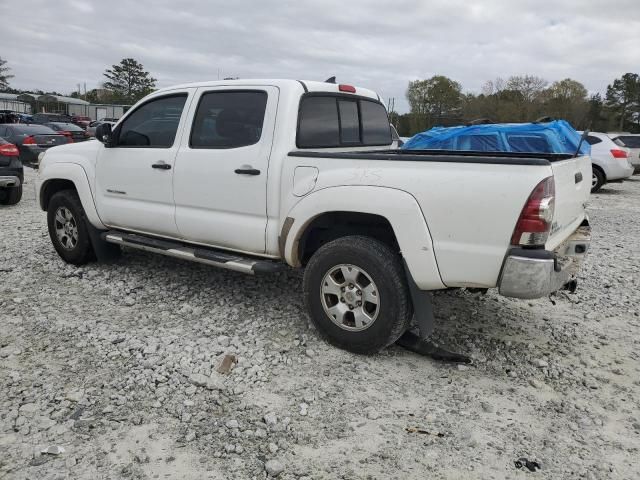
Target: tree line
point(440, 101)
point(125, 83)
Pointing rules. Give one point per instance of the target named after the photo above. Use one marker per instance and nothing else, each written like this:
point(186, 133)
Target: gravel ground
point(118, 364)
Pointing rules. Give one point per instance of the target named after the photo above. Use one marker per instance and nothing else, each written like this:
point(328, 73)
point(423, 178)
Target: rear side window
point(229, 119)
point(154, 124)
point(591, 140)
point(629, 141)
point(332, 121)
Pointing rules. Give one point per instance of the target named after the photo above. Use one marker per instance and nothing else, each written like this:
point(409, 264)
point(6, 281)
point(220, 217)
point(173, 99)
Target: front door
point(134, 178)
point(220, 178)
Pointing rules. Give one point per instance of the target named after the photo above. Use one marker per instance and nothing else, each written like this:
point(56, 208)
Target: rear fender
point(399, 207)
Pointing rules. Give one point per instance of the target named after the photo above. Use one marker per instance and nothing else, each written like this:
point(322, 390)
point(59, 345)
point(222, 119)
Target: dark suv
point(11, 173)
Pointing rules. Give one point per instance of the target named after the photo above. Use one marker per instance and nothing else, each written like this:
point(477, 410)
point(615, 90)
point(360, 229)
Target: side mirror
point(103, 133)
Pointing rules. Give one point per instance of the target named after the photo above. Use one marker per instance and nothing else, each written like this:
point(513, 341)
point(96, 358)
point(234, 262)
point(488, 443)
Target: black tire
point(10, 195)
point(384, 268)
point(81, 252)
point(597, 180)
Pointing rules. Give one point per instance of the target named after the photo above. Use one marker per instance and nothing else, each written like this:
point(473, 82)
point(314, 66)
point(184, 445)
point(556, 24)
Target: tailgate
point(573, 186)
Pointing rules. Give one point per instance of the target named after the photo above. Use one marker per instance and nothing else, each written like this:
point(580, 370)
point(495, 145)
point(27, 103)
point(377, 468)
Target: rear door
point(134, 178)
point(573, 186)
point(220, 179)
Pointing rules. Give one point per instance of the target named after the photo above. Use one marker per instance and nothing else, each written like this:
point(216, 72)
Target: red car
point(81, 121)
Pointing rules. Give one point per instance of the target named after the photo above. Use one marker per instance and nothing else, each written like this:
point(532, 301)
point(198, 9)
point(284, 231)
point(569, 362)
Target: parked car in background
point(81, 121)
point(91, 129)
point(31, 140)
point(43, 118)
point(71, 130)
point(632, 142)
point(11, 173)
point(609, 161)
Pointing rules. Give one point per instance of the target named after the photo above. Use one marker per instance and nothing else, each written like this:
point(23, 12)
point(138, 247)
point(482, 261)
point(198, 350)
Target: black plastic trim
point(215, 256)
point(304, 86)
point(428, 156)
point(266, 266)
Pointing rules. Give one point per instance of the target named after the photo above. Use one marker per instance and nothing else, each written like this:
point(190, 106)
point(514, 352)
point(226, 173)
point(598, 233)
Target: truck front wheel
point(356, 293)
point(68, 228)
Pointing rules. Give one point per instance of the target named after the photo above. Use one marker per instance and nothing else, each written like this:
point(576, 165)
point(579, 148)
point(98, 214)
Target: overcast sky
point(54, 45)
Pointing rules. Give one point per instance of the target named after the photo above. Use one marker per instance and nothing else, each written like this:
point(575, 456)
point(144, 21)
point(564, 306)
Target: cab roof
point(302, 85)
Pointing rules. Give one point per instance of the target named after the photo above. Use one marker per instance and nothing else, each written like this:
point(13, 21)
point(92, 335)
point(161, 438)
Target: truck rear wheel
point(68, 231)
point(356, 293)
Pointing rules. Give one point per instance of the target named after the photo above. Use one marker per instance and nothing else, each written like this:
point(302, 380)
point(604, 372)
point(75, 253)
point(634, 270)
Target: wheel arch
point(68, 176)
point(389, 214)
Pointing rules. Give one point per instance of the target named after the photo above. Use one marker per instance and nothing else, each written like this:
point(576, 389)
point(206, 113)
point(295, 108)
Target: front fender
point(78, 176)
point(401, 210)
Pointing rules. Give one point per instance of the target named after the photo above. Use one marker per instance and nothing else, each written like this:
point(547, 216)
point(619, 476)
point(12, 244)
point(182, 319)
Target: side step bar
point(208, 256)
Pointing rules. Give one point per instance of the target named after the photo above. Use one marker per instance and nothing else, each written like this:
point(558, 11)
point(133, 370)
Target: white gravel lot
point(117, 365)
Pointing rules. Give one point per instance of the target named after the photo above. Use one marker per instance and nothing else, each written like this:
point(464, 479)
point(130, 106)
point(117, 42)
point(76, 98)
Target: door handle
point(578, 177)
point(247, 171)
point(161, 165)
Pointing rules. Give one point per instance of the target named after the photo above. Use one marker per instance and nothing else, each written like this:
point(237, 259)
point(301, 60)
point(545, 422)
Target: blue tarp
point(550, 137)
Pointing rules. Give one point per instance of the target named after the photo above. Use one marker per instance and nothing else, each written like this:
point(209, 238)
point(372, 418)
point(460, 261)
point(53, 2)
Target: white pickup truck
point(262, 175)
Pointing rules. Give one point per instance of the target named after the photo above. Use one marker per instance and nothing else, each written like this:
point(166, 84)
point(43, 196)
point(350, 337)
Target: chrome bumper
point(9, 181)
point(537, 273)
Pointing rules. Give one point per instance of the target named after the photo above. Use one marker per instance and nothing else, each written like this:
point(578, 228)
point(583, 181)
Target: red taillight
point(30, 140)
point(347, 88)
point(9, 150)
point(65, 133)
point(534, 224)
point(618, 153)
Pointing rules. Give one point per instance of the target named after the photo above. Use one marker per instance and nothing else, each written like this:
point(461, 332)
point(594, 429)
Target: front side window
point(327, 121)
point(153, 124)
point(230, 119)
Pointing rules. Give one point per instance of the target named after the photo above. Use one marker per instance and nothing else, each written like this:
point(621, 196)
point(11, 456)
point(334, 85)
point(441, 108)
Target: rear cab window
point(334, 121)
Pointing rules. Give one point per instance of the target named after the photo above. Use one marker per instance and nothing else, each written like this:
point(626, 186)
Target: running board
point(208, 256)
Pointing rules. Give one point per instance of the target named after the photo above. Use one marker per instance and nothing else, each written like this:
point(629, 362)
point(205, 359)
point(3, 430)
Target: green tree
point(129, 81)
point(434, 100)
point(4, 74)
point(567, 99)
point(623, 100)
point(596, 118)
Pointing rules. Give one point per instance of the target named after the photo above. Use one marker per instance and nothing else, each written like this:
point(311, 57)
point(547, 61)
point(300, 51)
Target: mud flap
point(104, 251)
point(425, 320)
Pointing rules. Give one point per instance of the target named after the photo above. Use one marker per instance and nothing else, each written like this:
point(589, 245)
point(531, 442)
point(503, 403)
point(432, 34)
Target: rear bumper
point(9, 181)
point(538, 273)
point(619, 171)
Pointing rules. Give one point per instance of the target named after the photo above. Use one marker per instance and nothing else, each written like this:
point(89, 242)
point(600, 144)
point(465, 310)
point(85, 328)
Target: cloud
point(378, 44)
